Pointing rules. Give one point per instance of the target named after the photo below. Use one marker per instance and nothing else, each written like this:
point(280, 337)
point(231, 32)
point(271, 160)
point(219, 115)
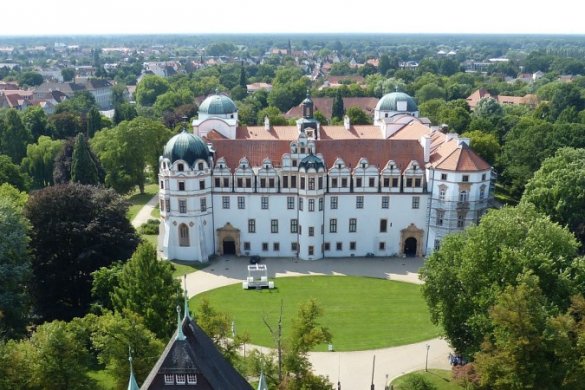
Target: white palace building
point(396, 187)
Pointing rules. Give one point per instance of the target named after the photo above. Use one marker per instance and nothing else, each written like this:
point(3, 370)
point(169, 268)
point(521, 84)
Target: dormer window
point(169, 379)
point(180, 167)
point(200, 166)
point(191, 379)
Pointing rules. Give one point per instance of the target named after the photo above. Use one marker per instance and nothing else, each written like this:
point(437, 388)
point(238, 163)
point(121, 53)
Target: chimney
point(346, 123)
point(425, 142)
point(461, 141)
point(444, 128)
point(266, 123)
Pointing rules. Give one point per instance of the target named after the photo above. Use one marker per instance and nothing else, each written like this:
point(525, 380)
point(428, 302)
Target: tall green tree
point(126, 150)
point(10, 173)
point(14, 269)
point(93, 122)
point(557, 189)
point(83, 168)
point(357, 116)
point(463, 278)
point(243, 78)
point(76, 229)
point(35, 120)
point(149, 88)
point(68, 74)
point(147, 287)
point(337, 111)
point(14, 136)
point(65, 125)
point(484, 144)
point(124, 112)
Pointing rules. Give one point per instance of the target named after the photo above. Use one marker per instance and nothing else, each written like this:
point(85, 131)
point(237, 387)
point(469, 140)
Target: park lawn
point(103, 379)
point(440, 378)
point(361, 313)
point(185, 267)
point(138, 200)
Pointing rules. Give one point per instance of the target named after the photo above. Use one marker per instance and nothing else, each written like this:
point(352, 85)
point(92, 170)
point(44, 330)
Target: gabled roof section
point(196, 354)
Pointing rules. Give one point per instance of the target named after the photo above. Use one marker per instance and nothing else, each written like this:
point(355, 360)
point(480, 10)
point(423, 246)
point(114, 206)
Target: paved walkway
point(354, 369)
point(144, 213)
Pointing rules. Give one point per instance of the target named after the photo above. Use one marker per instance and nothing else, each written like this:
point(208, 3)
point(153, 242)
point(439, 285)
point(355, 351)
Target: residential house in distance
point(527, 100)
point(101, 90)
point(310, 191)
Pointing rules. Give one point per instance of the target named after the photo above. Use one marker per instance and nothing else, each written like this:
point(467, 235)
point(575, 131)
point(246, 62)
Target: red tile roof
point(457, 156)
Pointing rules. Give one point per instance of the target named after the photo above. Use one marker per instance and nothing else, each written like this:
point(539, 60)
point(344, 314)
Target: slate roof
point(198, 355)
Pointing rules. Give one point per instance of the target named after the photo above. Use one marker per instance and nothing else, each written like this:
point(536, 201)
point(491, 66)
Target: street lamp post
point(427, 358)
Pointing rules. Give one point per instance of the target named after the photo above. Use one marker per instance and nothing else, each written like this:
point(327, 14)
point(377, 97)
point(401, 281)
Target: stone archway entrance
point(411, 241)
point(228, 240)
point(410, 247)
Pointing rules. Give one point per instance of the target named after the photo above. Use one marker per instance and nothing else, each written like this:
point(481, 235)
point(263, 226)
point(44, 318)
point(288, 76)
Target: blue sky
point(36, 17)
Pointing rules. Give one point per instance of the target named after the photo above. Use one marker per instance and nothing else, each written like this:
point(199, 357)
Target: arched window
point(180, 167)
point(184, 235)
point(463, 196)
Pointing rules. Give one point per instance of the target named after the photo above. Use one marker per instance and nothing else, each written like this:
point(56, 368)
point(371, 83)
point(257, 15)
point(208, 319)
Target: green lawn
point(440, 378)
point(362, 313)
point(138, 200)
point(185, 267)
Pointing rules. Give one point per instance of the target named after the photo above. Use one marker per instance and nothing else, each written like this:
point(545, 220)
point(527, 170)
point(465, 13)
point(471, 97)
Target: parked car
point(255, 259)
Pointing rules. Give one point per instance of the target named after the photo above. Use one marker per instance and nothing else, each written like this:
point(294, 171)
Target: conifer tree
point(94, 122)
point(338, 110)
point(83, 168)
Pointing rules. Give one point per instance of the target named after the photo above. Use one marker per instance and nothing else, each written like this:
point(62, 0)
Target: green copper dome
point(217, 105)
point(311, 161)
point(389, 102)
point(186, 147)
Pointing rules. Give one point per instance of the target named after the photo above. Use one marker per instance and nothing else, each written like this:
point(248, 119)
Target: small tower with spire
point(132, 384)
point(180, 335)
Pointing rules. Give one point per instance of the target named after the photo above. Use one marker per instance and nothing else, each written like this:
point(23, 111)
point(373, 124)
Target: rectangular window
point(276, 246)
point(265, 246)
point(162, 205)
point(285, 181)
point(385, 202)
point(251, 226)
point(217, 182)
point(437, 244)
point(320, 183)
point(290, 202)
point(301, 204)
point(201, 184)
point(359, 202)
point(302, 183)
point(293, 246)
point(483, 177)
point(293, 182)
point(352, 225)
point(311, 231)
point(168, 204)
point(181, 186)
point(182, 206)
point(311, 183)
point(333, 203)
point(482, 193)
point(274, 226)
point(225, 202)
point(339, 246)
point(240, 182)
point(442, 193)
point(241, 202)
point(334, 183)
point(417, 182)
point(440, 217)
point(271, 183)
point(327, 246)
point(246, 245)
point(344, 182)
point(395, 182)
point(386, 182)
point(352, 245)
point(333, 225)
point(311, 204)
point(320, 204)
point(382, 246)
point(415, 202)
point(169, 379)
point(262, 183)
point(180, 378)
point(409, 182)
point(248, 182)
point(460, 220)
point(383, 225)
point(443, 176)
point(203, 204)
point(162, 185)
point(311, 250)
point(294, 226)
point(465, 178)
point(372, 181)
point(226, 182)
point(358, 182)
point(264, 203)
point(191, 379)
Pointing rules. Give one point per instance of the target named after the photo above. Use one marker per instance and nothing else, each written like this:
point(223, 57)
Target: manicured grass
point(138, 200)
point(440, 378)
point(361, 313)
point(184, 267)
point(103, 379)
